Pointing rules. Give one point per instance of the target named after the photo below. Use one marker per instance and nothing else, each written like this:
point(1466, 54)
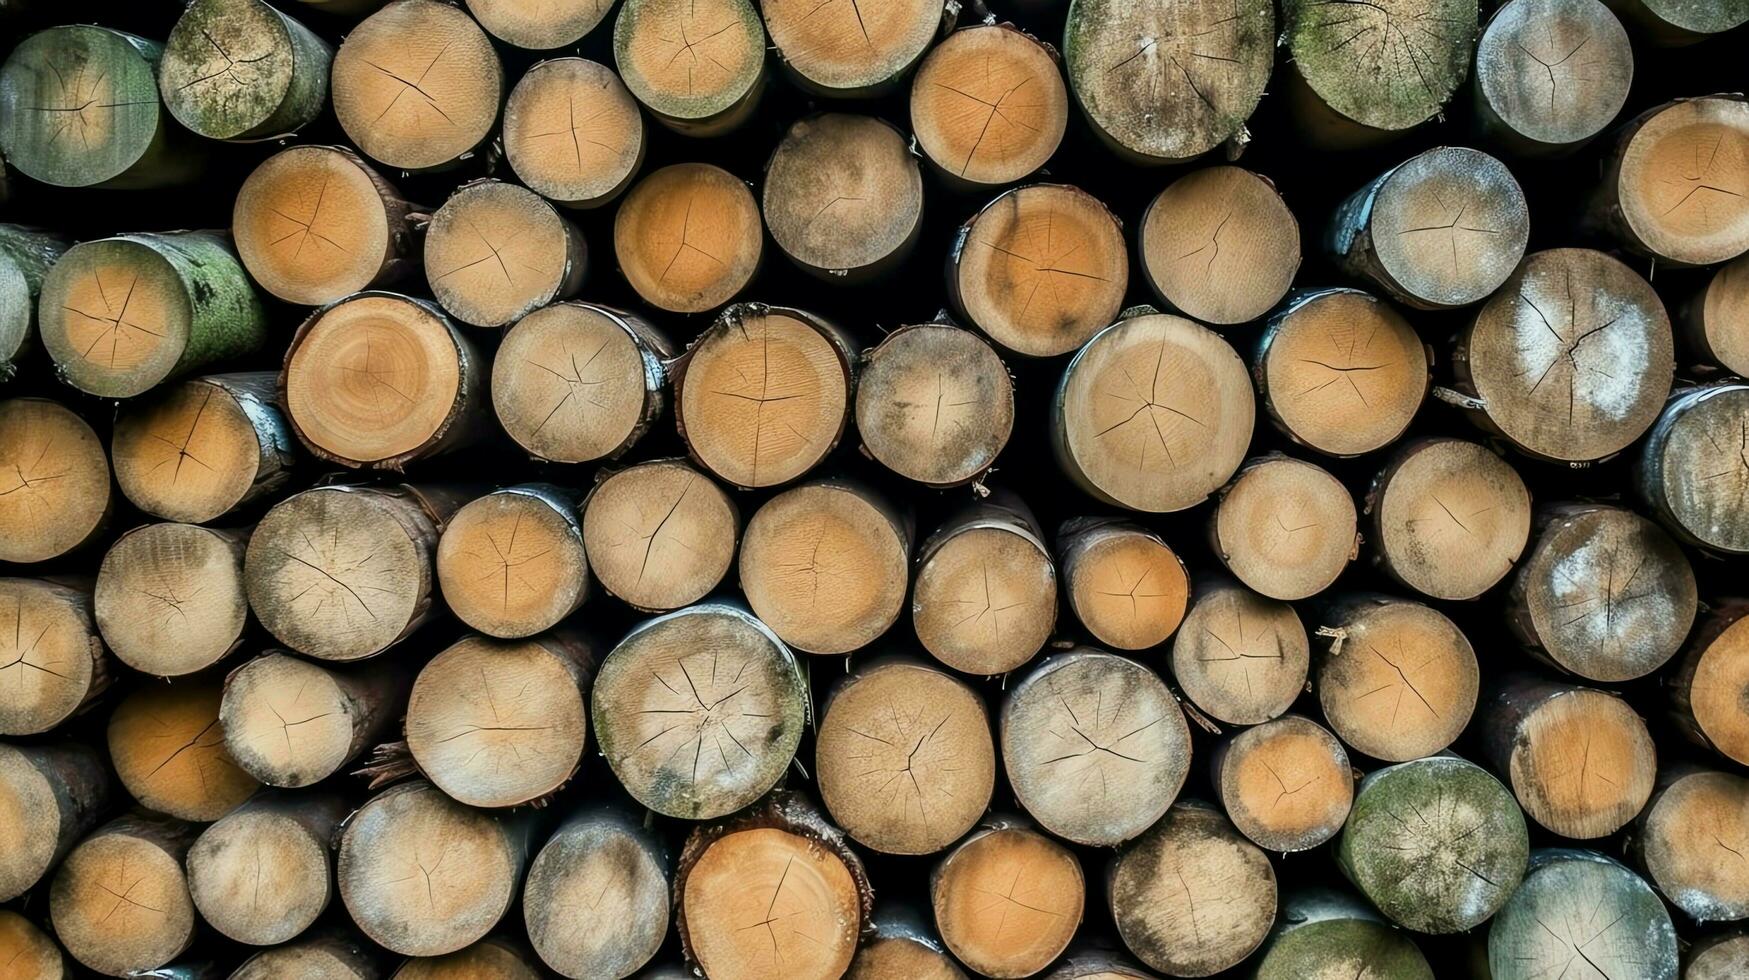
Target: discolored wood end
point(1386, 66)
point(1285, 527)
point(1240, 657)
point(319, 958)
point(843, 195)
point(1554, 73)
point(935, 404)
point(846, 49)
point(91, 105)
point(512, 563)
point(53, 654)
point(688, 237)
point(988, 104)
point(985, 596)
point(241, 70)
point(115, 315)
point(1449, 518)
point(600, 861)
point(1399, 682)
point(51, 796)
point(119, 903)
point(1220, 244)
point(539, 25)
point(496, 252)
point(1692, 840)
point(1124, 583)
point(314, 224)
point(288, 722)
point(659, 535)
point(1582, 901)
point(1007, 900)
point(572, 132)
point(260, 875)
point(169, 751)
point(1329, 935)
point(698, 66)
point(1694, 467)
point(170, 599)
point(1717, 957)
point(1680, 183)
point(1286, 783)
point(1673, 23)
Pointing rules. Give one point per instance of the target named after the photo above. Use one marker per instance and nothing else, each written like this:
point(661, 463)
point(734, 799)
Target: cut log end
point(1286, 783)
point(688, 237)
point(1375, 86)
point(319, 958)
point(1711, 689)
point(1240, 657)
point(1220, 244)
point(1402, 681)
point(142, 859)
point(1007, 900)
point(28, 952)
point(52, 796)
point(239, 70)
point(260, 875)
point(600, 860)
point(988, 104)
point(1719, 957)
point(1450, 518)
point(934, 404)
point(491, 958)
point(202, 448)
point(1665, 204)
point(314, 224)
point(1582, 763)
point(1693, 488)
point(1715, 323)
point(1327, 935)
point(58, 489)
point(26, 255)
point(1582, 900)
point(538, 26)
point(985, 596)
point(1124, 583)
point(512, 563)
point(169, 750)
point(846, 51)
point(289, 722)
point(100, 81)
point(496, 252)
point(1692, 840)
point(170, 599)
point(698, 67)
point(843, 195)
point(1286, 528)
point(1674, 23)
point(659, 535)
point(572, 132)
point(1537, 97)
point(54, 655)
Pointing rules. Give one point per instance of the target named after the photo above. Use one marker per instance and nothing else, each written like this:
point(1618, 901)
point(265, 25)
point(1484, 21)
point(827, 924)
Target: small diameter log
point(1448, 518)
point(753, 356)
point(985, 599)
point(659, 535)
point(1448, 874)
point(333, 957)
point(1220, 245)
point(1340, 371)
point(1672, 23)
point(1164, 82)
point(522, 543)
point(1719, 956)
point(1007, 874)
point(241, 70)
point(501, 723)
point(168, 748)
point(261, 873)
point(934, 404)
point(55, 666)
point(25, 257)
point(1710, 684)
point(846, 51)
point(417, 85)
point(1691, 838)
point(537, 26)
point(1285, 527)
point(1713, 326)
point(30, 954)
point(1441, 230)
point(51, 796)
point(904, 757)
point(1240, 657)
point(169, 597)
point(1397, 680)
point(1605, 593)
point(1160, 448)
point(200, 449)
point(1532, 95)
point(698, 67)
point(1155, 883)
point(688, 237)
point(492, 958)
point(1687, 473)
point(1285, 783)
point(55, 494)
point(1123, 582)
point(903, 948)
point(292, 723)
point(411, 843)
point(315, 224)
point(603, 860)
point(1581, 904)
point(1331, 935)
point(188, 304)
point(775, 891)
point(1058, 743)
point(380, 380)
point(843, 196)
point(1675, 181)
point(573, 133)
point(139, 856)
point(496, 252)
point(709, 672)
point(988, 105)
point(1036, 299)
point(825, 566)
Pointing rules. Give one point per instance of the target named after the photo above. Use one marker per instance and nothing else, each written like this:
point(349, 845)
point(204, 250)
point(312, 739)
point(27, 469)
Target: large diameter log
point(1719, 956)
point(168, 749)
point(1692, 472)
point(903, 948)
point(1691, 838)
point(1285, 527)
point(688, 237)
point(537, 26)
point(495, 252)
point(1007, 899)
point(119, 903)
point(699, 68)
point(410, 844)
point(241, 70)
point(843, 196)
point(1191, 897)
point(54, 656)
point(1240, 657)
point(1712, 326)
point(1087, 718)
point(1581, 904)
point(1220, 245)
point(1710, 684)
point(26, 255)
point(52, 796)
point(492, 958)
point(1340, 370)
point(1673, 23)
point(846, 51)
point(1164, 82)
point(776, 891)
point(1397, 679)
point(1550, 74)
point(187, 303)
point(198, 450)
point(988, 105)
point(1160, 447)
point(573, 133)
point(707, 673)
point(380, 380)
point(1331, 935)
point(1448, 518)
point(416, 85)
point(601, 859)
point(1675, 181)
point(1437, 844)
point(292, 723)
point(1285, 783)
point(985, 596)
point(30, 954)
point(1123, 582)
point(659, 534)
point(169, 597)
point(261, 873)
point(934, 404)
point(1605, 594)
point(55, 496)
point(320, 957)
point(512, 563)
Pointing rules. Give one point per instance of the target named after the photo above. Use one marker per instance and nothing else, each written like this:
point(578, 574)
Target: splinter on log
point(1675, 185)
point(315, 224)
point(1581, 904)
point(292, 723)
point(1240, 657)
point(843, 196)
point(327, 957)
point(601, 859)
point(241, 70)
point(1605, 593)
point(538, 25)
point(728, 377)
point(169, 597)
point(51, 795)
point(55, 667)
point(1551, 74)
point(1058, 742)
point(985, 598)
point(1039, 269)
point(1285, 527)
point(29, 953)
point(496, 252)
point(1331, 935)
point(198, 450)
point(1448, 518)
point(712, 673)
point(1193, 857)
point(1694, 466)
point(659, 535)
point(903, 948)
point(842, 49)
point(988, 105)
point(1437, 844)
point(1163, 81)
point(260, 874)
point(698, 68)
point(168, 748)
point(1713, 325)
point(26, 255)
point(1441, 230)
point(943, 434)
point(578, 159)
point(1710, 684)
point(1692, 839)
point(1007, 899)
point(538, 560)
point(904, 758)
point(1285, 783)
point(825, 566)
point(1672, 23)
point(1220, 245)
point(688, 237)
point(417, 85)
point(1340, 371)
point(119, 903)
point(1397, 680)
point(173, 303)
point(1124, 583)
point(54, 481)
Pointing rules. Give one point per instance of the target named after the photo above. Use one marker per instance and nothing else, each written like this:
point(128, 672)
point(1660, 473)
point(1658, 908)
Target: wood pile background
point(802, 488)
